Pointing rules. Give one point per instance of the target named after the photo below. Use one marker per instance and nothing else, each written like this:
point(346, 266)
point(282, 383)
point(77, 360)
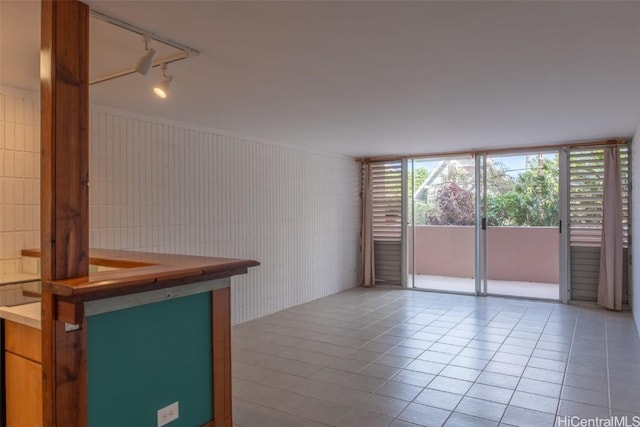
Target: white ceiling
point(370, 78)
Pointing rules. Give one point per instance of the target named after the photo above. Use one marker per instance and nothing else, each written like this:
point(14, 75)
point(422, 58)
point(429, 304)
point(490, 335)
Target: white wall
point(169, 187)
point(635, 224)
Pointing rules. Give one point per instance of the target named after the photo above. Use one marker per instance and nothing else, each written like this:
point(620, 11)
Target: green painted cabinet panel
point(144, 358)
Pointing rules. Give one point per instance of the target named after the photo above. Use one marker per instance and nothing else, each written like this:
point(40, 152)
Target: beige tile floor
point(497, 287)
point(381, 357)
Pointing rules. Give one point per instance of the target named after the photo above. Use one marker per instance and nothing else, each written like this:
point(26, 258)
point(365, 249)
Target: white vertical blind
point(586, 180)
point(387, 220)
point(586, 193)
point(387, 200)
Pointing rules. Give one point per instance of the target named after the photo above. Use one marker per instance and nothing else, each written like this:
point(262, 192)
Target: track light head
point(144, 64)
point(162, 88)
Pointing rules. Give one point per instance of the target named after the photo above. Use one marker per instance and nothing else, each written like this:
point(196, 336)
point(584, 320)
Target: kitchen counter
point(26, 314)
point(151, 329)
point(140, 272)
point(17, 278)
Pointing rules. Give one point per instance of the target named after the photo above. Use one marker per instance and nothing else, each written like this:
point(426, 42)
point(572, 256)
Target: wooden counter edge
point(116, 258)
point(142, 275)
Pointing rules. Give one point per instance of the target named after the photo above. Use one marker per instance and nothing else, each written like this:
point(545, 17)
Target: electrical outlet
point(168, 414)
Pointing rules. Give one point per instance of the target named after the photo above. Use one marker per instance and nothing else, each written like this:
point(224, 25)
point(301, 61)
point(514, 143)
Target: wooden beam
point(69, 312)
point(221, 357)
point(64, 202)
point(65, 142)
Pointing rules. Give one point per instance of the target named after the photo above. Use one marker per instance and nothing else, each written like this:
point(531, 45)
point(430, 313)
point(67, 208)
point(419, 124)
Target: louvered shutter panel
point(387, 220)
point(586, 192)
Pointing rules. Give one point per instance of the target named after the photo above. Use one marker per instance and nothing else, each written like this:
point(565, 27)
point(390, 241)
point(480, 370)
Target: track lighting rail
point(185, 51)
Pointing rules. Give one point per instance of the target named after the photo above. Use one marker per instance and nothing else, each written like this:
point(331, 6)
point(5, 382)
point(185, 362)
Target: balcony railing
point(527, 254)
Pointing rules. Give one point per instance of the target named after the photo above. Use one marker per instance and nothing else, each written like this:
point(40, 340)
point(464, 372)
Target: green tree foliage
point(421, 174)
point(533, 200)
point(498, 181)
point(528, 199)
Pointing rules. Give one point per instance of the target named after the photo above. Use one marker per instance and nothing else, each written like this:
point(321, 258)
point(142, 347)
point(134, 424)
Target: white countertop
point(8, 278)
point(26, 314)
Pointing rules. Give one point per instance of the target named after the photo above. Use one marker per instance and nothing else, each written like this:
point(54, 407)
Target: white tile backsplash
point(167, 187)
point(19, 181)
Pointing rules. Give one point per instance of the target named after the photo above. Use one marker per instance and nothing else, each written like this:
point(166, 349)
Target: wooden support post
point(221, 357)
point(64, 202)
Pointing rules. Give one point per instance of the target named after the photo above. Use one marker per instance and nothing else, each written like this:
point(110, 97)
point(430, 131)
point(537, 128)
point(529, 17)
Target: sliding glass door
point(521, 224)
point(441, 224)
point(485, 225)
point(521, 202)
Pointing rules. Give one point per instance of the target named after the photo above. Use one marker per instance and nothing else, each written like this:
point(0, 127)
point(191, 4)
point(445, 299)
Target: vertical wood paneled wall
point(167, 187)
point(634, 283)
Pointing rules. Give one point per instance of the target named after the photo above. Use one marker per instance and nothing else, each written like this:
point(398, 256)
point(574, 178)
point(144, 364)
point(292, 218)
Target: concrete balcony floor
point(550, 291)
